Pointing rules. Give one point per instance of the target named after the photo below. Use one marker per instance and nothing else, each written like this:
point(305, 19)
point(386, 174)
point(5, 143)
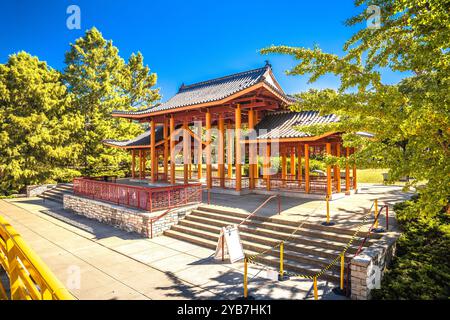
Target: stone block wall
point(367, 268)
point(35, 190)
point(128, 219)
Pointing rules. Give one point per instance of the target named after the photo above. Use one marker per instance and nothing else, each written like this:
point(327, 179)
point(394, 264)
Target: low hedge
point(421, 268)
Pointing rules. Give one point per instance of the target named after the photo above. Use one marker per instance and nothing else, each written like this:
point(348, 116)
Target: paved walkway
point(114, 264)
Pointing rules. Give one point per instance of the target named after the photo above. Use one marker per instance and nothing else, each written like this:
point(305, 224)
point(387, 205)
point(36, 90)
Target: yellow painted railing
point(29, 277)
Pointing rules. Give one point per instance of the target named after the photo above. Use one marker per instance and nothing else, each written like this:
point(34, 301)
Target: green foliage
point(52, 125)
point(421, 268)
point(411, 119)
point(37, 127)
point(101, 82)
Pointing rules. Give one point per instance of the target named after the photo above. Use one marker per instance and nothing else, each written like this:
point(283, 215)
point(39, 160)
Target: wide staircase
point(311, 248)
point(57, 193)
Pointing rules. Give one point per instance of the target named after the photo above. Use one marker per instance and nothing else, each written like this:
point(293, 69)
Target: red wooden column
point(200, 153)
point(208, 149)
point(355, 184)
point(283, 165)
point(237, 151)
point(328, 150)
point(347, 171)
point(292, 161)
point(144, 162)
point(172, 149)
point(153, 159)
point(221, 167)
point(229, 151)
point(140, 163)
point(133, 163)
point(337, 169)
point(256, 148)
point(299, 170)
point(186, 136)
point(306, 168)
point(251, 150)
point(166, 149)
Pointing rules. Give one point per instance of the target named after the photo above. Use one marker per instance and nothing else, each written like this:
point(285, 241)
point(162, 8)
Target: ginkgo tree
point(410, 120)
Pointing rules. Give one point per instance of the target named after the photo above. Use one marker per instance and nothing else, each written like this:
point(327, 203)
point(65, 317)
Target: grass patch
point(370, 175)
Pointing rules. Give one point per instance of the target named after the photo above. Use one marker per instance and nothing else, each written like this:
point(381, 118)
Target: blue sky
point(185, 41)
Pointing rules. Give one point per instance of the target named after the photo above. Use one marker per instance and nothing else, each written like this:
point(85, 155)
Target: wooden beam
point(133, 163)
point(208, 149)
point(153, 159)
point(337, 169)
point(237, 151)
point(186, 151)
point(200, 154)
point(306, 168)
point(221, 159)
point(251, 151)
point(229, 150)
point(299, 170)
point(293, 161)
point(172, 149)
point(140, 163)
point(347, 171)
point(328, 150)
point(166, 149)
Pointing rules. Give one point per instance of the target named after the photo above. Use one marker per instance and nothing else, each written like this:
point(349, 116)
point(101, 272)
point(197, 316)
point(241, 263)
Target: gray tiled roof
point(142, 140)
point(212, 90)
point(281, 124)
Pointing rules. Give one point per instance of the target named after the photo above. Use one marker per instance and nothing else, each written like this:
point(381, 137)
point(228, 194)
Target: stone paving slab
point(115, 264)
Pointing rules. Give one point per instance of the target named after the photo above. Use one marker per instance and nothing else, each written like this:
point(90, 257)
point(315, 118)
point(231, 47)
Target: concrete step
point(57, 193)
point(306, 256)
point(221, 221)
point(297, 242)
point(270, 260)
point(316, 226)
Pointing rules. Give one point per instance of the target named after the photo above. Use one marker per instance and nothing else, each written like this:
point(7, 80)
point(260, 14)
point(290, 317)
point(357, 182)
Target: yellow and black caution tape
point(251, 258)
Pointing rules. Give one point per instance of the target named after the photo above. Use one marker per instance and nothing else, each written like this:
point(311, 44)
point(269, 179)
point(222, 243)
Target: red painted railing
point(145, 198)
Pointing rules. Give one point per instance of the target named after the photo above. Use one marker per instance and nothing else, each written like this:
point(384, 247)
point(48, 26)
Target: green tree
point(36, 130)
point(410, 119)
point(101, 82)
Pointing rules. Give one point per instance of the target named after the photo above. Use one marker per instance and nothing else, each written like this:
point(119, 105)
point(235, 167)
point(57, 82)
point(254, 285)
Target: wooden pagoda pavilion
point(235, 127)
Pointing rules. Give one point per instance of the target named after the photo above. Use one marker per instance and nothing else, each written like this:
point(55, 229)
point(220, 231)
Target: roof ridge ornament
point(268, 64)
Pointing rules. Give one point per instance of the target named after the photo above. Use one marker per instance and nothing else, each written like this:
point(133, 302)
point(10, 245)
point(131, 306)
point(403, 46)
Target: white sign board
point(232, 244)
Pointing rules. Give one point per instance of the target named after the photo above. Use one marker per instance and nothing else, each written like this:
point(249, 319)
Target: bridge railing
point(29, 277)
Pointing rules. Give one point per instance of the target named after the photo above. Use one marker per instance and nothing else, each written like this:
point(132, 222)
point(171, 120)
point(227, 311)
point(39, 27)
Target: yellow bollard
point(316, 295)
point(281, 259)
point(245, 279)
point(342, 272)
point(376, 214)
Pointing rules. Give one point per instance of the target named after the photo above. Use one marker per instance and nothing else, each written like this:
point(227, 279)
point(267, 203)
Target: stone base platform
point(124, 218)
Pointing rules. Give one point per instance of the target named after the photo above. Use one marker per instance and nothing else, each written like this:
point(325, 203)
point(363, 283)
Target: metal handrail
point(262, 205)
point(29, 276)
point(385, 206)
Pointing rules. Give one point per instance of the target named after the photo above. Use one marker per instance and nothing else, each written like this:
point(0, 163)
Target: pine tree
point(101, 82)
point(37, 142)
